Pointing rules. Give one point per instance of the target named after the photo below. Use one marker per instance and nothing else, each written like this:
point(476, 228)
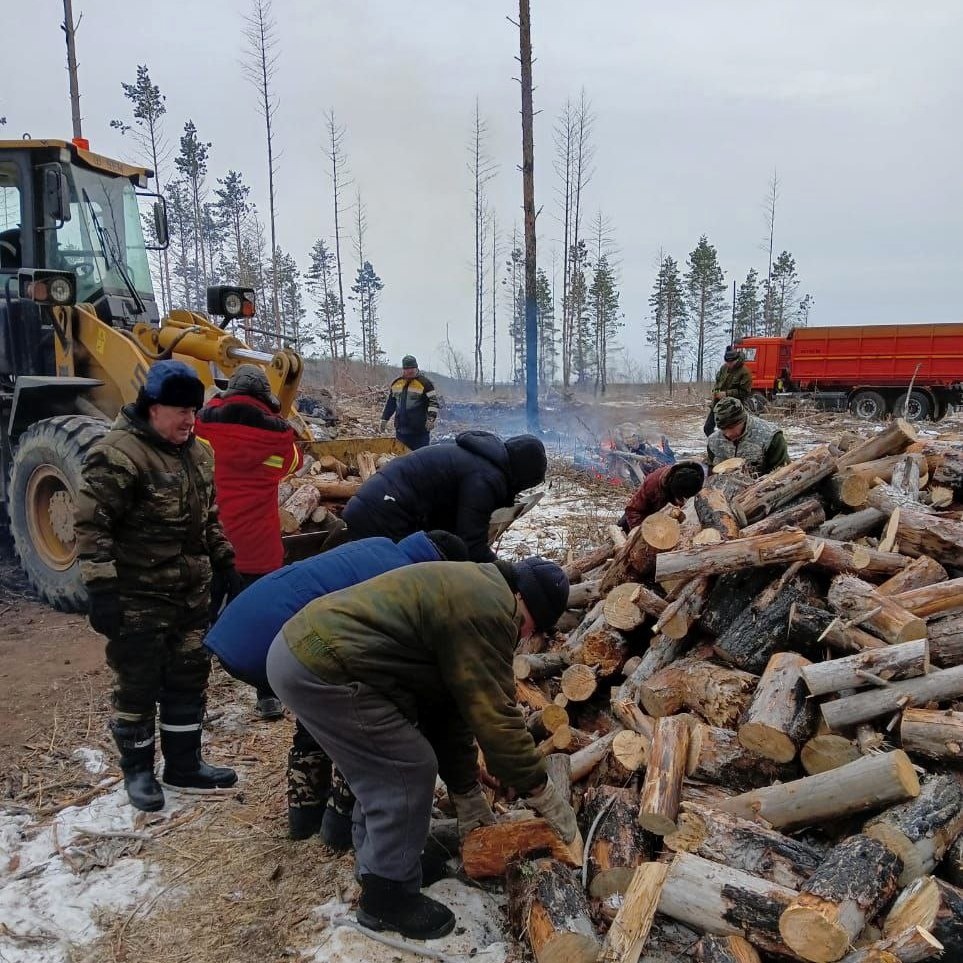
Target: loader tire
point(42, 495)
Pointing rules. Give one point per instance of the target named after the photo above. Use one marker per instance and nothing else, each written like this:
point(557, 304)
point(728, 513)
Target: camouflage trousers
point(309, 771)
point(158, 653)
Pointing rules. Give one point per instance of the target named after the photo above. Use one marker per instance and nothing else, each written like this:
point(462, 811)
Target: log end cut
point(811, 928)
point(766, 741)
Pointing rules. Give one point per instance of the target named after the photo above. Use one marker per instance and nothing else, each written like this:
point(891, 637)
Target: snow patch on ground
point(45, 907)
point(93, 759)
point(479, 926)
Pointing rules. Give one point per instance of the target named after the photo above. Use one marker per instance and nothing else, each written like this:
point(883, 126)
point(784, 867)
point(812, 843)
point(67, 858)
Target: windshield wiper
point(111, 256)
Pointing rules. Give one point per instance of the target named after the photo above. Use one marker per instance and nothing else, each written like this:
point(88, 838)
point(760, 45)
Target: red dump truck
point(868, 369)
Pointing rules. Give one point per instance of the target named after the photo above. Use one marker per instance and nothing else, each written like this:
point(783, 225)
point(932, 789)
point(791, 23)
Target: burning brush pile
point(756, 714)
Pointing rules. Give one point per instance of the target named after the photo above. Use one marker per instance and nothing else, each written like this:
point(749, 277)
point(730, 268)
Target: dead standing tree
point(70, 32)
point(482, 169)
point(338, 173)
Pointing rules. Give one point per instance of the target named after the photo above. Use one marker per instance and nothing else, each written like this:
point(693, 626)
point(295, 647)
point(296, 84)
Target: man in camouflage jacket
point(733, 380)
point(742, 435)
point(149, 539)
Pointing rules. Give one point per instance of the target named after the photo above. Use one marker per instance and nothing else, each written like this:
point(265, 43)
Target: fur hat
point(527, 462)
point(685, 479)
point(450, 547)
point(728, 412)
point(171, 383)
point(249, 379)
point(543, 586)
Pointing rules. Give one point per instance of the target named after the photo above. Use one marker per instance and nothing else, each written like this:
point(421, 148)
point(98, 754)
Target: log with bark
point(854, 599)
point(774, 490)
point(731, 594)
point(933, 733)
point(940, 686)
point(666, 768)
point(890, 500)
point(809, 626)
point(845, 528)
point(855, 880)
point(662, 651)
point(298, 508)
point(779, 548)
point(870, 782)
point(586, 563)
point(870, 563)
point(936, 601)
point(626, 938)
point(583, 594)
point(637, 557)
point(827, 751)
point(920, 831)
point(936, 907)
point(579, 682)
point(618, 843)
point(581, 763)
point(487, 850)
point(724, 949)
point(713, 511)
point(780, 718)
point(946, 641)
point(879, 469)
point(548, 905)
point(905, 660)
point(744, 845)
point(807, 514)
point(681, 613)
point(847, 490)
point(912, 945)
point(631, 749)
point(892, 440)
point(543, 722)
point(949, 472)
point(540, 665)
point(952, 866)
point(716, 756)
point(627, 605)
point(918, 573)
point(718, 694)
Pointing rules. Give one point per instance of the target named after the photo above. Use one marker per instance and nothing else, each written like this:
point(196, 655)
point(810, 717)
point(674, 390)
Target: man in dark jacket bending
point(454, 486)
point(396, 679)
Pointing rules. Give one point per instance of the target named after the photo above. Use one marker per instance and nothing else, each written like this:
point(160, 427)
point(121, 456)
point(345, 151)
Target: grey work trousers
point(389, 765)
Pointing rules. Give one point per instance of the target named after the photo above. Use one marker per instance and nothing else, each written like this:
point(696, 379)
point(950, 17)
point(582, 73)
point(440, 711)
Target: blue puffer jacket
point(243, 634)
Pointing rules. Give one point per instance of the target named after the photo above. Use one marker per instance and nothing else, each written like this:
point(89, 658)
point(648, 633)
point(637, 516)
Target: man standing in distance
point(413, 402)
point(733, 380)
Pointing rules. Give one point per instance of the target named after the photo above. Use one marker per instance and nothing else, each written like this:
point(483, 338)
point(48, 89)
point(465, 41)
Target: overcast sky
point(856, 104)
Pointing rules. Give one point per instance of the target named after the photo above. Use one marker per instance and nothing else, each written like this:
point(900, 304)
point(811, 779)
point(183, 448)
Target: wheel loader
point(79, 328)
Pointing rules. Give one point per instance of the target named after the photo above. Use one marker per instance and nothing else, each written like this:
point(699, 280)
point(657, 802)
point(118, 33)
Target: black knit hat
point(251, 380)
point(527, 462)
point(543, 586)
point(171, 383)
point(685, 479)
point(450, 547)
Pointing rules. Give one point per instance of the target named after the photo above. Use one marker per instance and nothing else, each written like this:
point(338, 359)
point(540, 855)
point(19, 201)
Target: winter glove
point(104, 608)
point(225, 585)
point(430, 421)
point(549, 803)
point(472, 810)
point(383, 427)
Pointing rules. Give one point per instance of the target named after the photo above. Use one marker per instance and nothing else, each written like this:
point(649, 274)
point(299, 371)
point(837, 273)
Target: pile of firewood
point(756, 719)
point(320, 488)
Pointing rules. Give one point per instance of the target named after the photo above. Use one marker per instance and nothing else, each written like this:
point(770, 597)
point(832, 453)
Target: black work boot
point(135, 740)
point(387, 905)
point(336, 822)
point(180, 725)
point(309, 783)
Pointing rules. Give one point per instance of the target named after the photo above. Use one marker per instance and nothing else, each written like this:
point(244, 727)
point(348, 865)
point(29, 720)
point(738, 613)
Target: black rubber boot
point(135, 740)
point(309, 784)
point(387, 905)
point(336, 822)
point(180, 725)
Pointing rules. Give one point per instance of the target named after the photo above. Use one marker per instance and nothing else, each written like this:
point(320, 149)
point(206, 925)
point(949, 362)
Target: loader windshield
point(103, 240)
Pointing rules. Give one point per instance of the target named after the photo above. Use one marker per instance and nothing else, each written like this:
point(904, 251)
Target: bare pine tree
point(339, 175)
point(564, 146)
point(482, 169)
point(260, 31)
point(70, 33)
point(361, 226)
point(496, 249)
point(772, 196)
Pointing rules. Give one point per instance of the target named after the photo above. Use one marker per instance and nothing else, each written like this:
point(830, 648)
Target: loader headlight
point(233, 303)
point(55, 288)
point(230, 301)
point(61, 291)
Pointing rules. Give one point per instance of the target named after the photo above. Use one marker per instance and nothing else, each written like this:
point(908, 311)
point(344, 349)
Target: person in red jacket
point(254, 448)
point(669, 484)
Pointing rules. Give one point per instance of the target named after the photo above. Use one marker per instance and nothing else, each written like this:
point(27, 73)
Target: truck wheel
point(43, 491)
point(915, 408)
point(868, 405)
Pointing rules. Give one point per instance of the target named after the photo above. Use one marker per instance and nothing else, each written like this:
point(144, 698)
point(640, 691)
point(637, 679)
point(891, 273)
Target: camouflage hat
point(729, 411)
point(251, 380)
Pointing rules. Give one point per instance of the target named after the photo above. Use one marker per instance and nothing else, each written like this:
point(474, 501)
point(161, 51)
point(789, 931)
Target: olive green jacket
point(437, 639)
point(146, 517)
point(735, 382)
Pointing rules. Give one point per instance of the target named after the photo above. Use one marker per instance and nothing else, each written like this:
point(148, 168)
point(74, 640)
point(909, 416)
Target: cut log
point(903, 661)
point(731, 594)
point(529, 695)
point(718, 694)
point(661, 531)
point(934, 601)
point(487, 850)
point(810, 626)
point(716, 756)
point(630, 715)
point(729, 466)
point(543, 722)
point(940, 497)
point(298, 508)
point(581, 763)
point(579, 682)
point(330, 487)
point(285, 491)
point(892, 440)
point(806, 514)
point(934, 906)
point(618, 843)
point(724, 901)
point(870, 782)
point(845, 528)
point(568, 739)
point(724, 949)
point(636, 558)
point(856, 879)
point(367, 464)
point(784, 484)
point(950, 470)
point(911, 946)
point(604, 649)
point(585, 563)
point(713, 510)
point(621, 608)
point(662, 788)
point(946, 641)
point(779, 718)
point(557, 766)
point(548, 905)
point(854, 599)
point(744, 845)
point(920, 831)
point(583, 594)
point(629, 931)
point(779, 548)
point(631, 749)
point(920, 572)
point(932, 733)
point(952, 867)
point(888, 500)
point(827, 751)
point(940, 686)
point(847, 490)
point(877, 470)
point(906, 475)
point(662, 651)
point(680, 614)
point(833, 556)
point(539, 666)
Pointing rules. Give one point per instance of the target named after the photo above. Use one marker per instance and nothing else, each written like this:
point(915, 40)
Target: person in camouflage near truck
point(148, 539)
point(733, 380)
point(743, 435)
point(396, 679)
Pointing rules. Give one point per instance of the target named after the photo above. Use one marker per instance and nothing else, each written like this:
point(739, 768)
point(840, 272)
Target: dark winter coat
point(253, 450)
point(454, 486)
point(411, 401)
point(734, 382)
point(650, 496)
point(146, 516)
point(243, 633)
point(437, 640)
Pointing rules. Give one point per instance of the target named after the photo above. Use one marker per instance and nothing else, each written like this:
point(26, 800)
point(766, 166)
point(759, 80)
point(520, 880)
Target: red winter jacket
point(652, 495)
point(253, 450)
